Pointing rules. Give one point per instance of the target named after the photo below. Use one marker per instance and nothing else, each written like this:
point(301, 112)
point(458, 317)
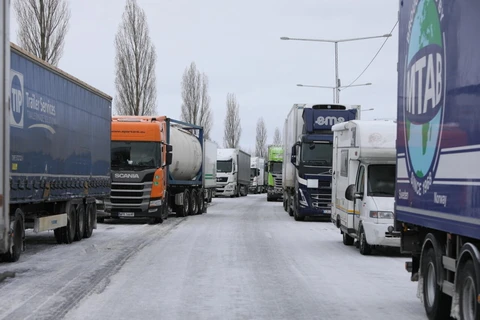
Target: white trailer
point(257, 175)
point(210, 171)
point(5, 126)
point(363, 184)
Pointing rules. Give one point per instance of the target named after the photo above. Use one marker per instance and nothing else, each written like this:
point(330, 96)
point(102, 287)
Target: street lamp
point(334, 88)
point(337, 80)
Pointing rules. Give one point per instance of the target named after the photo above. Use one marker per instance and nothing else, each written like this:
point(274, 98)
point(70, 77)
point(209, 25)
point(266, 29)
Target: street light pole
point(337, 80)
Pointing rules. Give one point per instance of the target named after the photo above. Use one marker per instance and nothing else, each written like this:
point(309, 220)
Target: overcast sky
point(237, 44)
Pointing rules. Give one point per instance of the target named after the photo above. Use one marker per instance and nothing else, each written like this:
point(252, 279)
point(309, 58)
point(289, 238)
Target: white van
point(363, 183)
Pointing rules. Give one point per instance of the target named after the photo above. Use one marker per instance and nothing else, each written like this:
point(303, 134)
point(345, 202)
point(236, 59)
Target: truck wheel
point(71, 223)
point(185, 209)
point(80, 227)
point(347, 240)
point(365, 248)
point(91, 212)
point(468, 292)
point(14, 254)
point(59, 235)
point(237, 194)
point(200, 202)
point(437, 304)
point(193, 202)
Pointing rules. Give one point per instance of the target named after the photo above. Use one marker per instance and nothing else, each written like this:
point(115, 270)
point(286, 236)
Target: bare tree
point(42, 27)
point(277, 138)
point(196, 100)
point(261, 139)
point(233, 128)
point(135, 60)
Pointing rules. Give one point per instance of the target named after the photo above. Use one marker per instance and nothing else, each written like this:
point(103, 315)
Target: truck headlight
point(156, 203)
point(381, 214)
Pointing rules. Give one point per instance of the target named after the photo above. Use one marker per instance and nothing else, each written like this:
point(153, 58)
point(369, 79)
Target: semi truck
point(363, 183)
point(210, 170)
point(257, 175)
point(274, 168)
point(59, 152)
point(437, 197)
point(307, 172)
point(233, 172)
point(4, 125)
point(157, 166)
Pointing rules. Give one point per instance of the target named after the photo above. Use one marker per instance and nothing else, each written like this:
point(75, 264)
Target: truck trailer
point(59, 152)
point(437, 198)
point(363, 182)
point(157, 166)
point(233, 172)
point(210, 176)
point(274, 170)
point(307, 172)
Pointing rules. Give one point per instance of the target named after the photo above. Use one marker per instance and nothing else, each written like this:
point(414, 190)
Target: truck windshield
point(276, 167)
point(317, 153)
point(135, 154)
point(254, 172)
point(224, 166)
point(381, 180)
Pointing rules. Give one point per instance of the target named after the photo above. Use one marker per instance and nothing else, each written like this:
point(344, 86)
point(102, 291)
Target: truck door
point(360, 190)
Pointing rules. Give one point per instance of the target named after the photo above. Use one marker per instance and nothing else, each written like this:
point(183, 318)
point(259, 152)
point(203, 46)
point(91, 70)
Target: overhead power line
point(373, 59)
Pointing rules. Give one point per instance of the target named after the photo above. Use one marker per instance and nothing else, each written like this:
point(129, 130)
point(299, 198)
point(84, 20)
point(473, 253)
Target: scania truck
point(274, 168)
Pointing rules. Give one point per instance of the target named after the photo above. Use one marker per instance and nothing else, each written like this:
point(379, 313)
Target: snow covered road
point(244, 259)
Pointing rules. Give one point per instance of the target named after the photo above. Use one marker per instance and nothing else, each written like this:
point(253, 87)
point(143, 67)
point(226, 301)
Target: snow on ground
point(247, 259)
point(50, 279)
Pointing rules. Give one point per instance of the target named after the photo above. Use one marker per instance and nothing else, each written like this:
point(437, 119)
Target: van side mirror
point(350, 192)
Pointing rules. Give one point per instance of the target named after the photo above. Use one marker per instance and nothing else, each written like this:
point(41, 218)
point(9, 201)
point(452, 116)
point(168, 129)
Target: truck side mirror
point(350, 192)
point(169, 157)
point(293, 158)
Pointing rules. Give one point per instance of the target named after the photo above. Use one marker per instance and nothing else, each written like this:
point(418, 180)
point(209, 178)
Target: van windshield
point(381, 180)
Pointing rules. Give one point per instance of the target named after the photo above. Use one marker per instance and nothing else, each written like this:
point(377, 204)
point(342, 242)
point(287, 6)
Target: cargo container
point(210, 176)
point(59, 152)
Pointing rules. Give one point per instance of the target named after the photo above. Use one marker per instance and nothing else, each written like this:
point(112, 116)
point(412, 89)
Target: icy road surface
point(244, 259)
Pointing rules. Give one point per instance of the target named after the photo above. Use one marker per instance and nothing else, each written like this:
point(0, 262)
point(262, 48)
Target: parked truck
point(437, 197)
point(274, 168)
point(157, 166)
point(233, 172)
point(257, 174)
point(59, 152)
point(363, 182)
point(210, 176)
point(4, 126)
point(307, 172)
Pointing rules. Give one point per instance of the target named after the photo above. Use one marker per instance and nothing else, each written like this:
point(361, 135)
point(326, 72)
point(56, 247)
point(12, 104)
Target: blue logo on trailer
point(424, 94)
point(17, 101)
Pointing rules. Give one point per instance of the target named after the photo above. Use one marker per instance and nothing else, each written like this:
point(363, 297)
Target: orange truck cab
point(156, 167)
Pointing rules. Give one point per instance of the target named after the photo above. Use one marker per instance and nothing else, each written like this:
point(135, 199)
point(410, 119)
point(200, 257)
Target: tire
point(468, 292)
point(436, 303)
point(200, 202)
point(295, 211)
point(184, 210)
point(364, 247)
point(237, 194)
point(71, 227)
point(15, 253)
point(347, 240)
point(91, 212)
point(80, 227)
point(193, 202)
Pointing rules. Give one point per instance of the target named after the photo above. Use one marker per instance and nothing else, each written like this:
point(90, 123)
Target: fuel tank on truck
point(186, 154)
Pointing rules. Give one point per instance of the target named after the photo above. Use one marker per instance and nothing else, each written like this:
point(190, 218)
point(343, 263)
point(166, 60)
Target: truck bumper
point(311, 212)
point(224, 191)
point(375, 234)
point(275, 193)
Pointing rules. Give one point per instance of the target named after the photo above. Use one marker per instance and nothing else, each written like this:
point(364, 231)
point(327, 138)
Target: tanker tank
point(186, 155)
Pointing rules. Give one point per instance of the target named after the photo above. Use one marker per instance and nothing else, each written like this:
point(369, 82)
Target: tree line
point(43, 25)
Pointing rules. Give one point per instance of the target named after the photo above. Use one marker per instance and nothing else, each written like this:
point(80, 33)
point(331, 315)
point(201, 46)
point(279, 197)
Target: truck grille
point(322, 198)
point(130, 195)
point(222, 179)
point(278, 181)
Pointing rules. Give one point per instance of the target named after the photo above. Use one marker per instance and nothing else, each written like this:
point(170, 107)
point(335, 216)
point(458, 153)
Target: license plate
point(327, 211)
point(126, 214)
